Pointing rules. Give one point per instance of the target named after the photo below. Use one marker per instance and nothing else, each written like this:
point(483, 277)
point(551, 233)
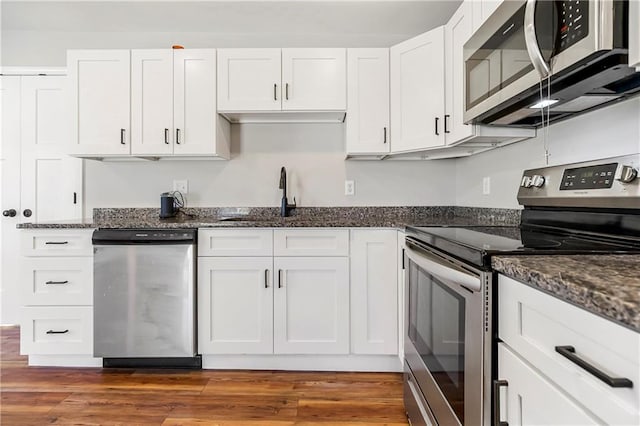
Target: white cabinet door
point(457, 32)
point(194, 113)
point(417, 92)
point(235, 305)
point(51, 182)
point(482, 9)
point(532, 400)
point(311, 305)
point(634, 34)
point(374, 291)
point(152, 102)
point(314, 79)
point(9, 199)
point(100, 102)
point(249, 80)
point(367, 101)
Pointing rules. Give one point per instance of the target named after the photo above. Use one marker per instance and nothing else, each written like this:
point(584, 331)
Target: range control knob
point(526, 182)
point(537, 181)
point(627, 174)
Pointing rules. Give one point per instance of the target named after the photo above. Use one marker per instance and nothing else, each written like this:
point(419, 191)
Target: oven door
point(444, 341)
point(524, 41)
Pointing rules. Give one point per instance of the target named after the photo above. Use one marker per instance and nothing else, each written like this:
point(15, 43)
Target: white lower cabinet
point(57, 330)
point(530, 399)
point(235, 305)
point(311, 305)
point(374, 291)
point(564, 354)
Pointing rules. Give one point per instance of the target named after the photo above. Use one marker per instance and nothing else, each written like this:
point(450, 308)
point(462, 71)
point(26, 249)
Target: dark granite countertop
point(257, 217)
point(608, 285)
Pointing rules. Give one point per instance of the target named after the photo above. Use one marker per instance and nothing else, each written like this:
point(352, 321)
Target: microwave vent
point(583, 103)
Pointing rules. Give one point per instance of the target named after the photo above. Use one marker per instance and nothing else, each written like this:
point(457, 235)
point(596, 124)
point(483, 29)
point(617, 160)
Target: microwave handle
point(531, 40)
point(437, 268)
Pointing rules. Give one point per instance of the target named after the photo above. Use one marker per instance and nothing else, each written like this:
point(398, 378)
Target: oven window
point(436, 328)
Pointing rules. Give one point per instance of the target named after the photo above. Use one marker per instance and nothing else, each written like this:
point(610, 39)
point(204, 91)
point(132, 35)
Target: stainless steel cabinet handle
point(497, 384)
point(178, 136)
point(56, 242)
point(57, 332)
point(57, 282)
point(166, 136)
point(122, 131)
point(569, 352)
point(279, 278)
point(266, 278)
point(531, 40)
point(275, 92)
point(286, 91)
point(385, 135)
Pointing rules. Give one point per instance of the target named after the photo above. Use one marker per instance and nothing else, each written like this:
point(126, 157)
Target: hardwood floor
point(92, 396)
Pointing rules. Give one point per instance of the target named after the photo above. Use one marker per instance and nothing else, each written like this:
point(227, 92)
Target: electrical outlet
point(181, 185)
point(486, 185)
point(349, 187)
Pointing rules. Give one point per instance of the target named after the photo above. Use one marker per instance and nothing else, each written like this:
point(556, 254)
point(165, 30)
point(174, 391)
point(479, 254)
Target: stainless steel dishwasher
point(145, 298)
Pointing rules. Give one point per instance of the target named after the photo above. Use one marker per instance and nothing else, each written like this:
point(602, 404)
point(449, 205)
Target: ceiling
point(304, 18)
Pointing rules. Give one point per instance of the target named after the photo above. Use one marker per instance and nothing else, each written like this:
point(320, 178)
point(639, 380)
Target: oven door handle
point(438, 268)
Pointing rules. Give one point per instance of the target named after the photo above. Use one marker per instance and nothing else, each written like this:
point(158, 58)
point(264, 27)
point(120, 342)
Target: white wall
point(313, 155)
point(607, 132)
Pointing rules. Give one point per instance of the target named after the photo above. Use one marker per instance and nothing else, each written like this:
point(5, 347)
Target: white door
point(194, 101)
point(456, 33)
point(482, 9)
point(249, 80)
point(9, 199)
point(417, 92)
point(152, 102)
point(367, 101)
point(374, 291)
point(51, 181)
point(530, 399)
point(314, 79)
point(235, 305)
point(100, 102)
point(311, 305)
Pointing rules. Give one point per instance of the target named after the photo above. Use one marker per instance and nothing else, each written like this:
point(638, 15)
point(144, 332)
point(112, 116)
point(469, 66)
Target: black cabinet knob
point(27, 213)
point(9, 213)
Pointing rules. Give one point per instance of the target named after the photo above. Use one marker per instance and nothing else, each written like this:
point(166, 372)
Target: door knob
point(27, 213)
point(9, 213)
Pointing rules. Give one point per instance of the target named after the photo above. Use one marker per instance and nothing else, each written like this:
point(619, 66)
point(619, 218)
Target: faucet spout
point(285, 207)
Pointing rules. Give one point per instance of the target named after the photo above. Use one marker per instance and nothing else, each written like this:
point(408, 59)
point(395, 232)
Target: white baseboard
point(371, 363)
point(64, 361)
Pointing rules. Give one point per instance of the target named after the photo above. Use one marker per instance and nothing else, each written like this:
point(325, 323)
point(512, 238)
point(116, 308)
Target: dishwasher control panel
point(144, 236)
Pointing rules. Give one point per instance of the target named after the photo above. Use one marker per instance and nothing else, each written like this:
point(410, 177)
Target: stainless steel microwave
point(576, 51)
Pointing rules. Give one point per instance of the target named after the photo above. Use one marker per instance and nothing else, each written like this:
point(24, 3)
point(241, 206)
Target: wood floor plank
point(96, 396)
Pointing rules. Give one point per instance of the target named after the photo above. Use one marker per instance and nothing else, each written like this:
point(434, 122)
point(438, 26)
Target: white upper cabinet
point(254, 80)
point(249, 79)
point(194, 104)
point(482, 9)
point(457, 32)
point(152, 101)
point(634, 34)
point(367, 123)
point(417, 92)
point(99, 96)
point(314, 79)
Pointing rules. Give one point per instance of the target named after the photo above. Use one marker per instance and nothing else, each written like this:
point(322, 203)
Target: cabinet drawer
point(311, 242)
point(534, 323)
point(57, 242)
point(235, 242)
point(54, 281)
point(57, 330)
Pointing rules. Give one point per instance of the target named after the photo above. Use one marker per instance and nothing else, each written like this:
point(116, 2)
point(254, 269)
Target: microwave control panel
point(592, 177)
point(573, 22)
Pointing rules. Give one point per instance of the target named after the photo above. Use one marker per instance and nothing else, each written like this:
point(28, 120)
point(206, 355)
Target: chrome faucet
point(285, 207)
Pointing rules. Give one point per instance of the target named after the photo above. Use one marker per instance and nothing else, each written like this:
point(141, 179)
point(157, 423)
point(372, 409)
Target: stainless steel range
point(582, 208)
